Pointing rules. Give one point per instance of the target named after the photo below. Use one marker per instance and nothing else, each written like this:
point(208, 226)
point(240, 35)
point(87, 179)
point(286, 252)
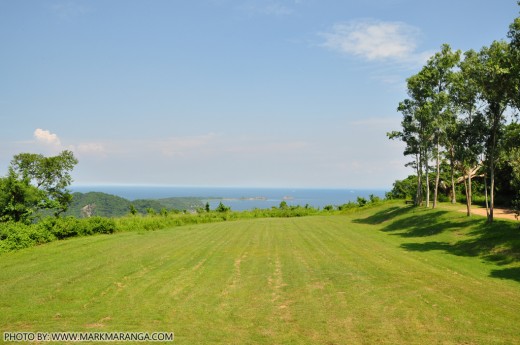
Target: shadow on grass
point(415, 222)
point(384, 215)
point(421, 225)
point(498, 242)
point(507, 273)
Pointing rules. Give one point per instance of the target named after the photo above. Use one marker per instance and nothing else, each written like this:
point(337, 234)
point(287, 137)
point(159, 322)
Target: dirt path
point(497, 212)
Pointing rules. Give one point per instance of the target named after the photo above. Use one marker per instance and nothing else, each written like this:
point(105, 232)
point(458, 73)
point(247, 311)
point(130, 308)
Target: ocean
point(239, 199)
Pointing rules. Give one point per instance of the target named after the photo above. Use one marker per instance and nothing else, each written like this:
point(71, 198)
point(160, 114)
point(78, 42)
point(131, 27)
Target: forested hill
point(107, 205)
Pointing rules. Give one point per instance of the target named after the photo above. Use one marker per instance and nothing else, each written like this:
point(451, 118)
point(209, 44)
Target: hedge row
point(15, 236)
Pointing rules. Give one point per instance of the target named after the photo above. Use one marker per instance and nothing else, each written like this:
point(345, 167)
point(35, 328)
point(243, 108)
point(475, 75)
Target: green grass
point(386, 275)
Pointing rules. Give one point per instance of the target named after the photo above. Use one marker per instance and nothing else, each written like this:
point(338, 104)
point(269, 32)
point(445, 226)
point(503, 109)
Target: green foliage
point(16, 235)
point(328, 208)
point(51, 175)
point(182, 203)
point(70, 226)
point(348, 206)
point(222, 208)
point(460, 108)
point(19, 200)
point(107, 205)
point(403, 189)
point(361, 201)
point(133, 210)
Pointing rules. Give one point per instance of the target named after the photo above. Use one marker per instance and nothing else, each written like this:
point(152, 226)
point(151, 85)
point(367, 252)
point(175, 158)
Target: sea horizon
point(239, 198)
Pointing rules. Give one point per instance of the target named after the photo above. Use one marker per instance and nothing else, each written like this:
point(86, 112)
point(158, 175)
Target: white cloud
point(46, 137)
point(376, 41)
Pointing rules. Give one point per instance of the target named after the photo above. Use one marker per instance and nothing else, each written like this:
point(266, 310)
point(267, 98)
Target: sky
point(243, 93)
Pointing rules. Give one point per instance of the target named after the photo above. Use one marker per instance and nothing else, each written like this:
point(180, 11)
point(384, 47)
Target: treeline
point(460, 120)
point(107, 205)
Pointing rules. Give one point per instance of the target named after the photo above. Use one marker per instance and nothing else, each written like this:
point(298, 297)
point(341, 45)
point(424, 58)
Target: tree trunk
point(437, 176)
point(492, 193)
point(469, 198)
point(452, 164)
point(466, 189)
point(486, 195)
point(418, 194)
point(427, 185)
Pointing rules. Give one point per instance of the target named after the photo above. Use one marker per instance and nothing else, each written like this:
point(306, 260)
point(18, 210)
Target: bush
point(222, 208)
point(15, 235)
point(361, 201)
point(60, 227)
point(97, 225)
point(374, 199)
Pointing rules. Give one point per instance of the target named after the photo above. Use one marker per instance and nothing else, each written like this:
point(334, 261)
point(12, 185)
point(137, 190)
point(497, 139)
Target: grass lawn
point(386, 275)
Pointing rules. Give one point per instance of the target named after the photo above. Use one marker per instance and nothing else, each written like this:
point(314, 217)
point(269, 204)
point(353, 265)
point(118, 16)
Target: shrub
point(348, 206)
point(222, 208)
point(361, 201)
point(60, 227)
point(15, 235)
point(98, 225)
point(374, 199)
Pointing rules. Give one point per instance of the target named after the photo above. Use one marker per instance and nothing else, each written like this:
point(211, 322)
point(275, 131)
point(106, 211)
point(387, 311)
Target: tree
point(468, 133)
point(435, 79)
point(19, 200)
point(514, 36)
point(491, 69)
point(510, 157)
point(427, 115)
point(46, 177)
point(222, 208)
point(410, 135)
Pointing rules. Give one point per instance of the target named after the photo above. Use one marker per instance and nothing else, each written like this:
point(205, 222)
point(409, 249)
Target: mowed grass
point(386, 275)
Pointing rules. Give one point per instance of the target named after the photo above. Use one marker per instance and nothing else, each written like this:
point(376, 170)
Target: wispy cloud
point(180, 146)
point(275, 8)
point(375, 40)
point(69, 10)
point(92, 148)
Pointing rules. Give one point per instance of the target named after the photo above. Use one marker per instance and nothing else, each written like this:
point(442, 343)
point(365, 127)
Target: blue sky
point(263, 93)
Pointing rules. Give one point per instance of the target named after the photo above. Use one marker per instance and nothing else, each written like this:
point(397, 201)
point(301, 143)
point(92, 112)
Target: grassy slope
point(391, 275)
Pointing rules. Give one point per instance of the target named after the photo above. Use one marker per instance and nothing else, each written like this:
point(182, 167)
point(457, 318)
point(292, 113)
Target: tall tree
point(514, 35)
point(468, 134)
point(411, 132)
point(436, 76)
point(50, 175)
point(492, 72)
point(428, 108)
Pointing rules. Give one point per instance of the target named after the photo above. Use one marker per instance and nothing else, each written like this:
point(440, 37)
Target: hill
point(386, 275)
point(107, 205)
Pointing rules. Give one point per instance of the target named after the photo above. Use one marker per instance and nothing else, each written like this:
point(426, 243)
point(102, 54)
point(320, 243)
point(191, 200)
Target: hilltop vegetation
point(107, 205)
